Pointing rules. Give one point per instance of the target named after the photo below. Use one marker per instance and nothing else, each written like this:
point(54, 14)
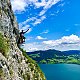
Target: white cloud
point(29, 47)
point(40, 4)
point(19, 5)
point(48, 5)
point(67, 30)
point(62, 4)
point(40, 38)
point(71, 42)
point(34, 21)
point(72, 39)
point(29, 38)
point(22, 5)
point(77, 24)
point(26, 27)
point(38, 21)
point(45, 32)
point(28, 20)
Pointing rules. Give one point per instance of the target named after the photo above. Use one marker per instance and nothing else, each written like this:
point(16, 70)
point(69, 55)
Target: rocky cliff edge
point(14, 63)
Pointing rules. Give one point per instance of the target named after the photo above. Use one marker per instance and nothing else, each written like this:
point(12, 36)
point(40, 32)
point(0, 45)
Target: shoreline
point(60, 63)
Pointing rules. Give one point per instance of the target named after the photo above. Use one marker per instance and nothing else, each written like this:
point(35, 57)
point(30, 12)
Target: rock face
point(14, 63)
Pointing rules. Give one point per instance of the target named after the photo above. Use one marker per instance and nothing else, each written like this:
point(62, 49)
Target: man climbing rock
point(22, 38)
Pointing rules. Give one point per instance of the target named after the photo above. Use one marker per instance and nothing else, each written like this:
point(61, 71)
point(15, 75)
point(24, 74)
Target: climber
point(22, 38)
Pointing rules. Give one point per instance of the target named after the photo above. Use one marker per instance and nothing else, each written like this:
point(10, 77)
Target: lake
point(61, 71)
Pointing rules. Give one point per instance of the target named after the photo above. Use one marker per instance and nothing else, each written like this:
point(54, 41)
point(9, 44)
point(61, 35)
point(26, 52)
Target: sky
point(53, 24)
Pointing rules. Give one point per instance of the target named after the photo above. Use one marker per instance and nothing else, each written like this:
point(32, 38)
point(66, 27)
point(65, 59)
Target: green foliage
point(11, 72)
point(1, 74)
point(34, 55)
point(26, 56)
point(43, 61)
point(25, 77)
point(4, 45)
point(60, 59)
point(55, 57)
point(32, 63)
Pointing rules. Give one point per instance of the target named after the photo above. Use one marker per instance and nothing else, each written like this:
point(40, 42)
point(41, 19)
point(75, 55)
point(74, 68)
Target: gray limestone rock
point(13, 65)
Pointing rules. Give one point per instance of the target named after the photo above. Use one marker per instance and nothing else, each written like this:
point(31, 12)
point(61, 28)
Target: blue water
point(61, 71)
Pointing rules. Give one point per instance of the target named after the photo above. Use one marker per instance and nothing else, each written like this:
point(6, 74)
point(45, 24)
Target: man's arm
point(26, 31)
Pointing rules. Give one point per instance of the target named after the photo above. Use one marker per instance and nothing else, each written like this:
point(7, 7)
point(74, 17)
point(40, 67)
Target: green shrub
point(4, 45)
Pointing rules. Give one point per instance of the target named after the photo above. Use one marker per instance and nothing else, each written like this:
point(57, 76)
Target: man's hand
point(27, 31)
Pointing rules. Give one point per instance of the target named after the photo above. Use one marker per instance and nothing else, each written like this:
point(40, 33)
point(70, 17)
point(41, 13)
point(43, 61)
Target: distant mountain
point(55, 56)
point(44, 54)
point(72, 52)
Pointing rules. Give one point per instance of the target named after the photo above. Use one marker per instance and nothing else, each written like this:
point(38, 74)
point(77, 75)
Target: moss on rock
point(4, 45)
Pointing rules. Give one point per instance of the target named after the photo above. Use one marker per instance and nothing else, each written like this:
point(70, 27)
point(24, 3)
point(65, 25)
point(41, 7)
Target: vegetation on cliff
point(17, 65)
point(31, 65)
point(4, 45)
